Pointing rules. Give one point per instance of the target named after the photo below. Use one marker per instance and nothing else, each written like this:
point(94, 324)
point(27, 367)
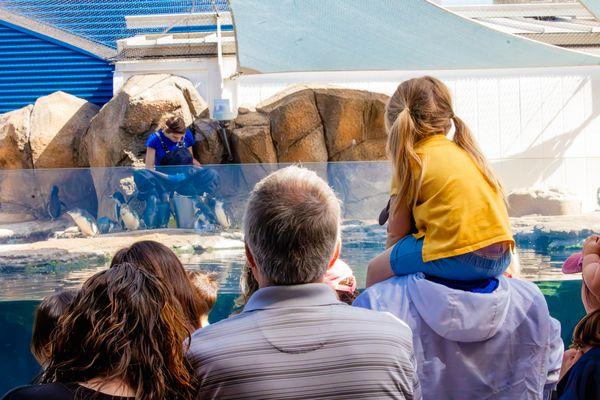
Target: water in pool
point(21, 290)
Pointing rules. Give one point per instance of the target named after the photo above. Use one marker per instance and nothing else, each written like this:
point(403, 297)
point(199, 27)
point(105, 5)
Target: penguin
point(127, 217)
point(220, 214)
point(84, 220)
point(200, 221)
point(151, 215)
point(119, 199)
point(54, 206)
point(107, 225)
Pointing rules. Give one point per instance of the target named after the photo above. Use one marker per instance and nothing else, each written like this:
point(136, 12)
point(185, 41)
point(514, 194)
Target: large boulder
point(209, 148)
point(253, 144)
point(320, 124)
point(354, 123)
point(14, 139)
point(117, 135)
point(57, 122)
point(542, 202)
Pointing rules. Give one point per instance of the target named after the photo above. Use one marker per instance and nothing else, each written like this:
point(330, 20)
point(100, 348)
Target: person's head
point(45, 322)
point(206, 286)
point(122, 327)
point(291, 227)
point(422, 107)
point(587, 331)
point(175, 128)
point(159, 260)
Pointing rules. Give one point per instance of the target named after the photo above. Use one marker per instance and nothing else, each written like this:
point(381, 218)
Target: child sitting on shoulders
point(447, 211)
point(206, 288)
point(45, 321)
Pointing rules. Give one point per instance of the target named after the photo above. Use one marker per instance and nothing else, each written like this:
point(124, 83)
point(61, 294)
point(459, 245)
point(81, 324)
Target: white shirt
point(499, 345)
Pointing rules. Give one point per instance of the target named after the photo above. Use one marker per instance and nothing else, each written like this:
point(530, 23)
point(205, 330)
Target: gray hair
point(291, 226)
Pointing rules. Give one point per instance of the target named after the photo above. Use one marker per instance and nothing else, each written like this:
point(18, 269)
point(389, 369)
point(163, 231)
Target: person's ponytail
point(464, 139)
point(401, 142)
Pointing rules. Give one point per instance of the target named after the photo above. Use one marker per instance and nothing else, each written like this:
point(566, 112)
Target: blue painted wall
point(32, 65)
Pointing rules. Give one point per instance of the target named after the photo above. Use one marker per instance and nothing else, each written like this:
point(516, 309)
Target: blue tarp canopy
point(593, 6)
point(339, 35)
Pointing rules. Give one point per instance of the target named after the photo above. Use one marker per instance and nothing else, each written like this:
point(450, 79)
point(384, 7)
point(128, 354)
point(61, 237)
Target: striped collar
point(307, 295)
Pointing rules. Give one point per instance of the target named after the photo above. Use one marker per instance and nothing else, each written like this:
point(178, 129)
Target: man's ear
point(336, 253)
point(249, 257)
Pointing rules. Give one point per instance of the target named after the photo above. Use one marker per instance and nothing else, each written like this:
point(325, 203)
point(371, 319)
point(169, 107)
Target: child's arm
point(591, 264)
point(398, 223)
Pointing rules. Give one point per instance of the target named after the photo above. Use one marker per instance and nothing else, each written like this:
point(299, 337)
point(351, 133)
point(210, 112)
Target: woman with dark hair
point(121, 338)
point(157, 259)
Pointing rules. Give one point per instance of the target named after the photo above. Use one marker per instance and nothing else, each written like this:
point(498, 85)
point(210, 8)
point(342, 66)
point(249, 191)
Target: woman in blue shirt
point(171, 167)
point(171, 146)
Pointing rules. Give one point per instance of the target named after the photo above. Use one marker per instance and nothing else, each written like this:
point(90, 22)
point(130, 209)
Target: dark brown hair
point(122, 326)
point(587, 331)
point(159, 260)
point(46, 320)
point(176, 125)
point(206, 287)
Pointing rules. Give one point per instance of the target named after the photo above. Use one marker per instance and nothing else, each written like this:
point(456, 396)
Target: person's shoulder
point(49, 391)
point(525, 288)
point(379, 319)
point(153, 140)
point(220, 329)
point(189, 138)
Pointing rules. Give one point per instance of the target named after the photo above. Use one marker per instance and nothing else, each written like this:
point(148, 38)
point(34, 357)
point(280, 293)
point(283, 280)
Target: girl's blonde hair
point(419, 108)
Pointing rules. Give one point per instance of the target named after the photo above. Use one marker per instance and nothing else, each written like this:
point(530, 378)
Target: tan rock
point(542, 202)
point(208, 148)
point(369, 150)
point(251, 119)
point(292, 117)
point(351, 117)
point(141, 107)
point(311, 148)
point(14, 139)
point(57, 120)
point(253, 144)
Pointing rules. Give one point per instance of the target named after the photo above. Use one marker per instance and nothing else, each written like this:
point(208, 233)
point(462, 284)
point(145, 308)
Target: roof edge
point(59, 36)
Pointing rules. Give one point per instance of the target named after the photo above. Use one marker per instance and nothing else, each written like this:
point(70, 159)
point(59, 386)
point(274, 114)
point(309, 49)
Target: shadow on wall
point(527, 168)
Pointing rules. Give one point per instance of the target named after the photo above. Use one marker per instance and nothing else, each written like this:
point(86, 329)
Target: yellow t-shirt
point(457, 211)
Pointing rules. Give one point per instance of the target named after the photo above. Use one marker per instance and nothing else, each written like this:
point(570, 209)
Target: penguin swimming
point(84, 220)
point(54, 206)
point(127, 217)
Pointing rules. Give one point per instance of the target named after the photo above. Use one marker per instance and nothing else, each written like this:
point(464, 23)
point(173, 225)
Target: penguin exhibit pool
point(74, 220)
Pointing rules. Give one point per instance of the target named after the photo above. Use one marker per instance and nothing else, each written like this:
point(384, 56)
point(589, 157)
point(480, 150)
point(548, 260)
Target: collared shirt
point(501, 345)
point(301, 342)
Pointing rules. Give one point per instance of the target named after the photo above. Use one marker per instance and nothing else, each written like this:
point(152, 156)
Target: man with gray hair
point(294, 339)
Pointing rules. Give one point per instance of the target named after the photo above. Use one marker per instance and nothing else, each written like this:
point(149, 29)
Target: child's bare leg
point(380, 268)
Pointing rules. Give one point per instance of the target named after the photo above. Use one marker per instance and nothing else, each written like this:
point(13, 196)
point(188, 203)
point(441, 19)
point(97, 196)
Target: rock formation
point(542, 202)
point(312, 124)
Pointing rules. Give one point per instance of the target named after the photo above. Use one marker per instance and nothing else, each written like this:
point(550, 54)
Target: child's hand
point(591, 245)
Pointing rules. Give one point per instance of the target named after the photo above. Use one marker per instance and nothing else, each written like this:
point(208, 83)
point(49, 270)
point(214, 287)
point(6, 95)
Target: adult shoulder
point(50, 391)
point(153, 140)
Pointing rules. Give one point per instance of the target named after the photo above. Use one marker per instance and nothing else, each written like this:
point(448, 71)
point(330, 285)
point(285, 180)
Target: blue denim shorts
point(407, 258)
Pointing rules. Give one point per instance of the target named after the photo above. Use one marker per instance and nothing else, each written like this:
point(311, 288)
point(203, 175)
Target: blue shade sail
point(341, 35)
point(593, 6)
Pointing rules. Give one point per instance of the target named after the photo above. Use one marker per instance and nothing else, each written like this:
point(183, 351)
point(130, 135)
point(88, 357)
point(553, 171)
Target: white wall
point(204, 73)
point(540, 127)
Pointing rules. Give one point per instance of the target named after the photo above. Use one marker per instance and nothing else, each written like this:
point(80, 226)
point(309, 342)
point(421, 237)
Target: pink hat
point(573, 264)
point(340, 277)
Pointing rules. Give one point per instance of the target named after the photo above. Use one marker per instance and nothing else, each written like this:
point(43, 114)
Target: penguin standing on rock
point(84, 220)
point(54, 206)
point(127, 217)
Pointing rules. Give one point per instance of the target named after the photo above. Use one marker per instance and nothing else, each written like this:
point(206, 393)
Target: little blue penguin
point(151, 215)
point(85, 221)
point(128, 218)
point(54, 206)
point(106, 225)
point(220, 215)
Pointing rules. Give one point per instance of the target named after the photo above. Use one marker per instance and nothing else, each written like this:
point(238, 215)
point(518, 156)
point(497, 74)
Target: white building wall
point(540, 127)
